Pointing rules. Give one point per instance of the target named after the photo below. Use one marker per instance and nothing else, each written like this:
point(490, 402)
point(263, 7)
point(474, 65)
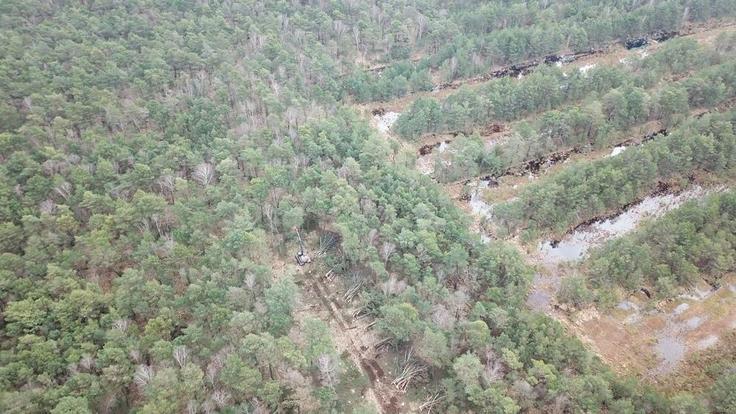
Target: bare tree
point(135, 355)
point(494, 368)
point(121, 325)
point(387, 250)
point(143, 375)
point(259, 407)
point(422, 22)
point(458, 304)
point(192, 407)
point(64, 190)
point(47, 206)
point(180, 355)
point(339, 27)
point(393, 286)
point(208, 406)
point(87, 362)
point(167, 184)
point(356, 38)
point(220, 398)
point(327, 370)
point(204, 174)
point(442, 317)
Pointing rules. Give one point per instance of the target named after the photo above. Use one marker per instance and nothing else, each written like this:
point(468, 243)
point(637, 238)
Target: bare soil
point(320, 299)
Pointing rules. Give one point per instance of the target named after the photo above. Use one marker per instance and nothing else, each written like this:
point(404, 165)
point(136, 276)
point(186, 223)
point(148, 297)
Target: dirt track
point(349, 339)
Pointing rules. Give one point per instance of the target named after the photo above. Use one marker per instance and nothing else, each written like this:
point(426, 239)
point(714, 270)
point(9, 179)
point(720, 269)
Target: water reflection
point(575, 246)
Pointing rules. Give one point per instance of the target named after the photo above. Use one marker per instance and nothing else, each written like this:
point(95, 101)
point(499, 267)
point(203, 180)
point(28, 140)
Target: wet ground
point(542, 293)
point(575, 246)
point(477, 203)
point(639, 335)
point(385, 121)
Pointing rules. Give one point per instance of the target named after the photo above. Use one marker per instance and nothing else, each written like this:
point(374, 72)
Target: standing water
point(385, 121)
point(477, 204)
point(617, 150)
point(576, 245)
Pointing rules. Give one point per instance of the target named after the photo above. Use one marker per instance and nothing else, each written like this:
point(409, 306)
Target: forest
point(163, 163)
point(473, 37)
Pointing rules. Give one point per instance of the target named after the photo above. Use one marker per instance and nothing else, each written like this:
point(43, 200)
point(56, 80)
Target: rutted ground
point(496, 133)
point(640, 336)
point(352, 334)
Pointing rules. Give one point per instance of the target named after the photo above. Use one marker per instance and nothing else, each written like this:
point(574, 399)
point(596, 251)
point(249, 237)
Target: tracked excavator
point(301, 256)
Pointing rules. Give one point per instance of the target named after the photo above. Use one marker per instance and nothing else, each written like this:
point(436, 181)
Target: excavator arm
point(301, 256)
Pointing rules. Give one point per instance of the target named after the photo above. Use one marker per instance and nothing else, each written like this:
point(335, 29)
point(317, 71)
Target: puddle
point(574, 246)
point(632, 319)
point(681, 308)
point(617, 150)
point(671, 346)
point(694, 322)
point(671, 349)
point(672, 342)
point(385, 121)
point(627, 305)
point(477, 204)
point(539, 300)
point(543, 292)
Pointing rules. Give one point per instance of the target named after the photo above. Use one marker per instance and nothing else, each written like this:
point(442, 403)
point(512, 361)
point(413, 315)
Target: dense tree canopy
point(156, 157)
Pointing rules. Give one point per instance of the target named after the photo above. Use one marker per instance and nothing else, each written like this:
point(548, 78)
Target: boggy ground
point(654, 340)
point(640, 335)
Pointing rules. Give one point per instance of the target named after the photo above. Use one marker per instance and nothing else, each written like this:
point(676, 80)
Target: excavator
point(301, 256)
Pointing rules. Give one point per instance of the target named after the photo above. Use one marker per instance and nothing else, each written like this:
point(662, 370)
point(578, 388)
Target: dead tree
point(181, 355)
point(327, 370)
point(330, 273)
point(360, 313)
point(353, 291)
point(143, 375)
point(430, 403)
point(382, 344)
point(411, 370)
point(204, 174)
point(326, 242)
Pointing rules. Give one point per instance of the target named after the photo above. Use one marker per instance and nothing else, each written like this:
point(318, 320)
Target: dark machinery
point(636, 42)
point(301, 256)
